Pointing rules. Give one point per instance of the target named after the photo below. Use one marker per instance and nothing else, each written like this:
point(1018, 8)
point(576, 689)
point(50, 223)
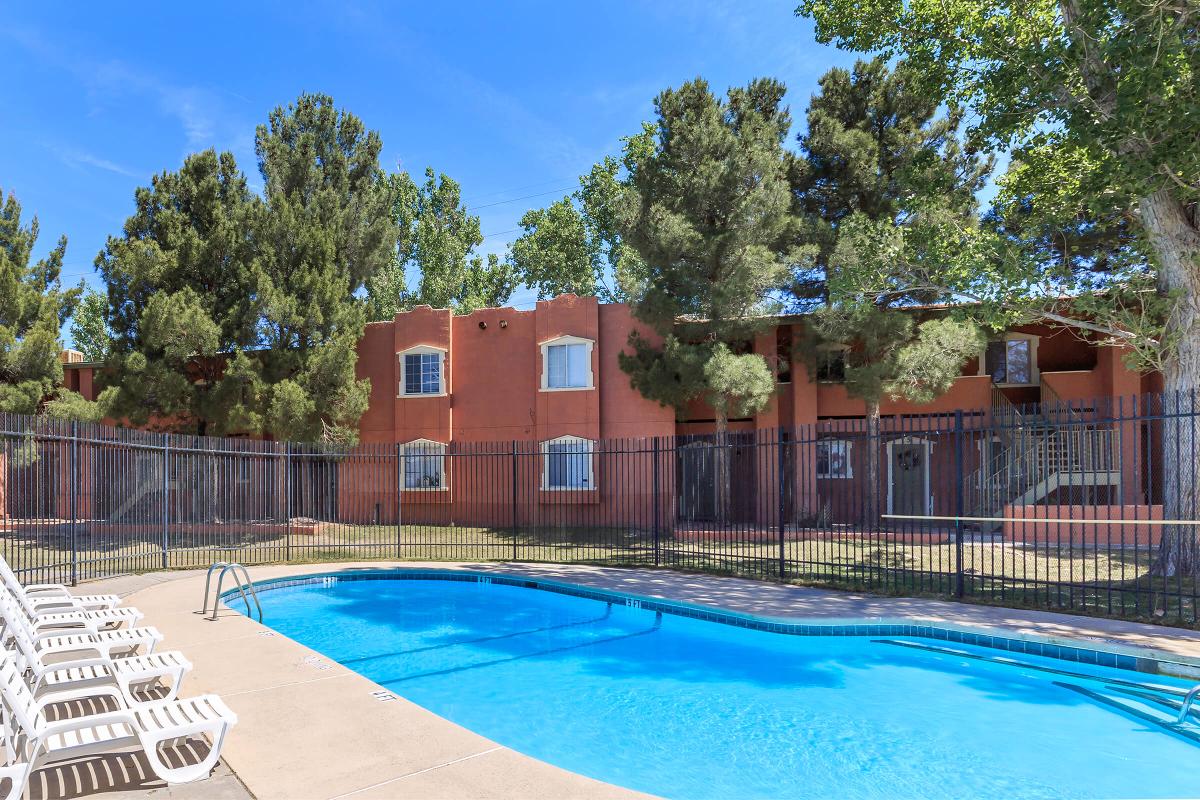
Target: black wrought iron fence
point(1057, 505)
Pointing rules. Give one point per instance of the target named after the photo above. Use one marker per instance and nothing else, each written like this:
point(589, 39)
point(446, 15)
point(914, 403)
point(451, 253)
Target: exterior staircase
point(1039, 451)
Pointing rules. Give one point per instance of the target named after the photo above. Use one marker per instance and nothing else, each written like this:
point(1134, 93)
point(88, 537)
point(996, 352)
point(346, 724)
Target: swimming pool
point(690, 708)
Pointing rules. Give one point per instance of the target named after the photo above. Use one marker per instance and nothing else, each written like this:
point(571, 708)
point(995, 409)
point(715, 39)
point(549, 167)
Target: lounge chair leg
point(191, 772)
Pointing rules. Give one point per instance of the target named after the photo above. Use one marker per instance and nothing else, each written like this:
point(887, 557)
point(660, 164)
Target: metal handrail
point(225, 567)
point(1186, 707)
point(208, 583)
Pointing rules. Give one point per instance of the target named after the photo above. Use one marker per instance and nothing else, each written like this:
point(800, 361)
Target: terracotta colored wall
point(493, 399)
point(494, 404)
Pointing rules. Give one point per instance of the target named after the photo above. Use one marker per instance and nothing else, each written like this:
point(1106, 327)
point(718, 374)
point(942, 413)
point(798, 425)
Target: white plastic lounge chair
point(49, 625)
point(127, 674)
point(54, 594)
point(69, 616)
point(34, 740)
point(58, 641)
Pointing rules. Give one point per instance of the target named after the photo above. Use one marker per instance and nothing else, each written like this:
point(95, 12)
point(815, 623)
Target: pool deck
point(311, 728)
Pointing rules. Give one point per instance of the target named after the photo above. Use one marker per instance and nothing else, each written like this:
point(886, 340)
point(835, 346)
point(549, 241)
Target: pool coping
point(1117, 656)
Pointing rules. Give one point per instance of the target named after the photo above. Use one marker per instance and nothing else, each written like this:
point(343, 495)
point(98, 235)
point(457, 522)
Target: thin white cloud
point(203, 114)
point(73, 157)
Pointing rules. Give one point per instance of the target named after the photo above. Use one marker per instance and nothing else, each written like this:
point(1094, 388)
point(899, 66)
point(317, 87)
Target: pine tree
point(33, 307)
point(234, 313)
point(709, 216)
point(873, 145)
point(880, 165)
point(181, 298)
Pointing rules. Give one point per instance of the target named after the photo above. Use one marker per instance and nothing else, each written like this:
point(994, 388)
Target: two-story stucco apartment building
point(525, 417)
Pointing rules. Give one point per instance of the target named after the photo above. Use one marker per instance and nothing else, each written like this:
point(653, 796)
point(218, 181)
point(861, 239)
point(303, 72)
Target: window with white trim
point(421, 371)
point(567, 463)
point(1012, 361)
point(567, 363)
point(833, 459)
point(424, 465)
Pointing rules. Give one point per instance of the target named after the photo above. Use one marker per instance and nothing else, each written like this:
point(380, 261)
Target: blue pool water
point(685, 708)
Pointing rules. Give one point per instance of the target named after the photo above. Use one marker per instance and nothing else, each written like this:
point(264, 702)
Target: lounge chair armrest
point(67, 695)
point(47, 589)
point(79, 723)
point(43, 669)
point(55, 605)
point(65, 623)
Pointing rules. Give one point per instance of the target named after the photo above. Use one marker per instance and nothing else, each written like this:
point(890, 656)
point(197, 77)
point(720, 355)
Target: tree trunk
point(873, 443)
point(721, 469)
point(1176, 241)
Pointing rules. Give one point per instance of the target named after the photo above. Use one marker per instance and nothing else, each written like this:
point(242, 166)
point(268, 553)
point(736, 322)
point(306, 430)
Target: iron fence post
point(74, 503)
point(657, 507)
point(959, 489)
point(166, 506)
point(514, 500)
point(287, 500)
point(400, 488)
point(782, 507)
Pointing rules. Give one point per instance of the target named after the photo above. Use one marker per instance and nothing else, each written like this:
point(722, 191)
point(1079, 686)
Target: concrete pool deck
point(311, 728)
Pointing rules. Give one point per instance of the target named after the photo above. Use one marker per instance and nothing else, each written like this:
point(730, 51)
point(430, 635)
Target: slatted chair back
point(14, 618)
point(21, 648)
point(11, 582)
point(21, 599)
point(19, 703)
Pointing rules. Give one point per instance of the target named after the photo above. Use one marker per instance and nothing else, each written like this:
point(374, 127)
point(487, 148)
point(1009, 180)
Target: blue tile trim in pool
point(1081, 655)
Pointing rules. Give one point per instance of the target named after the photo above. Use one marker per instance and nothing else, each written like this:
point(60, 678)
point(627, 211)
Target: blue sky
point(514, 100)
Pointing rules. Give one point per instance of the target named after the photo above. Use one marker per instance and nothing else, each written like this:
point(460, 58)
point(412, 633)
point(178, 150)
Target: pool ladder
point(1185, 708)
point(239, 572)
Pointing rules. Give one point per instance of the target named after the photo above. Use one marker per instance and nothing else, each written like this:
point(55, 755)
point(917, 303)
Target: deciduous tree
point(575, 245)
point(89, 328)
point(437, 237)
point(1098, 99)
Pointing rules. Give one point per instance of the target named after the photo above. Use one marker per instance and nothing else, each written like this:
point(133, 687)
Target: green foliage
point(33, 306)
point(1098, 101)
point(182, 283)
point(737, 385)
point(575, 245)
point(708, 213)
point(437, 236)
point(874, 142)
point(883, 175)
point(89, 329)
point(232, 313)
point(555, 255)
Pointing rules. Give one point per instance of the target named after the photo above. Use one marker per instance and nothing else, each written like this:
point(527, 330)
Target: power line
point(516, 189)
point(501, 233)
point(516, 199)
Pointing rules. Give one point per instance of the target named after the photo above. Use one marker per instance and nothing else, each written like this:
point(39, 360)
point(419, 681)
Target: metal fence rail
point(1062, 502)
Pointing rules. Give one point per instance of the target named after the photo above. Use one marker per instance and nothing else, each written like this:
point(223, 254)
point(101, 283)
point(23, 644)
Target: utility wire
point(516, 199)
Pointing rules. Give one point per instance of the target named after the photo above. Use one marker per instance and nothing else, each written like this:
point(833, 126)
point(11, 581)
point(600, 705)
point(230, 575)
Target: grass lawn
point(1110, 582)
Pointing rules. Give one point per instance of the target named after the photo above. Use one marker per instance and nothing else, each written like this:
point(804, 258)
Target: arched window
point(422, 371)
point(424, 465)
point(567, 464)
point(567, 364)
